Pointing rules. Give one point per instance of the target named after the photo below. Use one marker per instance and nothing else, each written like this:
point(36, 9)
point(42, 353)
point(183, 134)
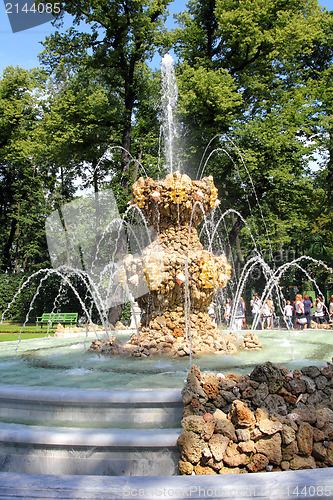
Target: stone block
point(258, 463)
point(218, 445)
point(304, 438)
point(298, 463)
point(271, 447)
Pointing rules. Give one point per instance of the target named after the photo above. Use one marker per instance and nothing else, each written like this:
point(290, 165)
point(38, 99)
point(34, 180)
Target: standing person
point(268, 314)
point(307, 310)
point(288, 313)
point(299, 308)
point(227, 311)
point(239, 314)
point(330, 309)
point(294, 314)
point(319, 312)
point(211, 311)
point(256, 311)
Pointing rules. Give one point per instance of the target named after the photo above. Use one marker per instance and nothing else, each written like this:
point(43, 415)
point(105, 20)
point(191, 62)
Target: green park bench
point(63, 318)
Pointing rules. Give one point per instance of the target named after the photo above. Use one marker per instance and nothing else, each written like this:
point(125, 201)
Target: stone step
point(72, 451)
point(139, 408)
point(314, 484)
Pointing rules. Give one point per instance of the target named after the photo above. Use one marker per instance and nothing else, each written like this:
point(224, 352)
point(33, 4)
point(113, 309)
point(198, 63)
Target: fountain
point(128, 429)
point(173, 321)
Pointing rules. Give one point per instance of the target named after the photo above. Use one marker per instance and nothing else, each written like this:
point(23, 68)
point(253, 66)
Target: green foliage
point(9, 285)
point(42, 292)
point(262, 52)
point(216, 89)
point(255, 105)
point(126, 313)
point(22, 201)
point(123, 36)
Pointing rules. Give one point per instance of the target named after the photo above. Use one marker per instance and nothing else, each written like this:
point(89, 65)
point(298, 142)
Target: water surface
point(65, 362)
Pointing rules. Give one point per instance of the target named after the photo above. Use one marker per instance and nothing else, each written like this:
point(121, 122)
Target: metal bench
point(63, 318)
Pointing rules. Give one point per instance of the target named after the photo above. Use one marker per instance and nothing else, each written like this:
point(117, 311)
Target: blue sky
point(22, 48)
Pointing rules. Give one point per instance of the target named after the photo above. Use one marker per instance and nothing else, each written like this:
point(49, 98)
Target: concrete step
point(314, 484)
point(139, 408)
point(72, 451)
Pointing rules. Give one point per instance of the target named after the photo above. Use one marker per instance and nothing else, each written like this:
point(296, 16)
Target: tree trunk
point(329, 177)
point(126, 139)
point(236, 237)
point(6, 266)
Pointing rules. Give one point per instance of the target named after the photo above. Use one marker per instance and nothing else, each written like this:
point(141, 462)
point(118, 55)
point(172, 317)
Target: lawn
point(11, 332)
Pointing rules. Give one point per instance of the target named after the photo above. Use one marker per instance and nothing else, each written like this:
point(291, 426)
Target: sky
point(22, 48)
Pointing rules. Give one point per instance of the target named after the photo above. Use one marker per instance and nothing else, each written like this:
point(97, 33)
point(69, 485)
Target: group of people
point(297, 315)
point(262, 313)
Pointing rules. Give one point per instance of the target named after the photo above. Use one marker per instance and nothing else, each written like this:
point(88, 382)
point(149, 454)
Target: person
point(288, 313)
point(268, 314)
point(211, 311)
point(227, 311)
point(299, 308)
point(319, 312)
point(330, 309)
point(307, 310)
point(239, 314)
point(256, 311)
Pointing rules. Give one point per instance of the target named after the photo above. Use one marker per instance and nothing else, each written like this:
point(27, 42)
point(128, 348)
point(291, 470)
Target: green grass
point(15, 336)
point(27, 330)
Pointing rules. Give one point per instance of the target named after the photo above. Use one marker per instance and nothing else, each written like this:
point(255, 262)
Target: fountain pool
point(65, 362)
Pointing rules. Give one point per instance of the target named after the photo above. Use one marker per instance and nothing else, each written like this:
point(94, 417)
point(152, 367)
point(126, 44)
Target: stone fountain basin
point(140, 409)
point(65, 362)
point(77, 451)
point(78, 436)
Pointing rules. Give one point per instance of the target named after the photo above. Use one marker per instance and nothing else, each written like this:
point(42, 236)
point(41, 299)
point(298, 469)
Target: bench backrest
point(59, 316)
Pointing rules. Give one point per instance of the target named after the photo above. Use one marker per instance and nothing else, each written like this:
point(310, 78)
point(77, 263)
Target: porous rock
point(258, 463)
point(242, 436)
point(233, 457)
point(271, 447)
point(241, 416)
point(218, 445)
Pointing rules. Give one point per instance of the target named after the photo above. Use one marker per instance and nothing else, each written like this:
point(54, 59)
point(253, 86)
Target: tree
point(79, 124)
point(265, 52)
point(123, 36)
point(22, 203)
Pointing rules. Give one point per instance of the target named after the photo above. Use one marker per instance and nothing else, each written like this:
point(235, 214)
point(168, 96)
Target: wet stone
point(304, 437)
point(310, 371)
point(321, 382)
point(258, 463)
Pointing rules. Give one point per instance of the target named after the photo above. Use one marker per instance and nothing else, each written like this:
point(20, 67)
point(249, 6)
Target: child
point(288, 312)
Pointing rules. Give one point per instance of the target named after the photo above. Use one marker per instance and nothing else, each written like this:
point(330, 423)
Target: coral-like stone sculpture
point(181, 276)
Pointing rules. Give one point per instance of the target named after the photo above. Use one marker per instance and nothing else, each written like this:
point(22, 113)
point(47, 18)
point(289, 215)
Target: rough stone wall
point(180, 277)
point(157, 342)
point(272, 419)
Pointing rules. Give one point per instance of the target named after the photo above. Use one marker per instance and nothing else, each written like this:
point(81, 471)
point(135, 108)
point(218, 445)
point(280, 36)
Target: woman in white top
point(288, 313)
point(299, 309)
point(267, 312)
point(319, 312)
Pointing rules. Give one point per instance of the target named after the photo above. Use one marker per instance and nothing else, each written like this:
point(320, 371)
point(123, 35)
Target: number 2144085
point(40, 8)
